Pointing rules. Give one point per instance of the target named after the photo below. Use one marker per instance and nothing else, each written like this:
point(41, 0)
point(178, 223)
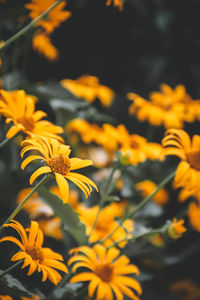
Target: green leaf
point(68, 216)
point(9, 284)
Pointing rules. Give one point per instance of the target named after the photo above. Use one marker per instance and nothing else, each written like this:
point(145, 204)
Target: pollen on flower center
point(28, 123)
point(104, 271)
point(36, 253)
point(193, 158)
point(59, 164)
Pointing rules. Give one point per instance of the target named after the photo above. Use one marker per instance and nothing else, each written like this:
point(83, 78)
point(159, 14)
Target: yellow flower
point(31, 252)
point(89, 88)
point(147, 187)
point(19, 108)
point(55, 16)
point(5, 297)
point(185, 290)
point(178, 143)
point(107, 273)
point(56, 157)
point(106, 223)
point(42, 43)
point(118, 3)
point(176, 229)
point(169, 107)
point(194, 216)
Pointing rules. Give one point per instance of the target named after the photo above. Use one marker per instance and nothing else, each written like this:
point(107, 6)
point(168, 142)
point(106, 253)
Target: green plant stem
point(6, 141)
point(141, 205)
point(10, 269)
point(133, 239)
point(103, 197)
point(42, 181)
point(29, 26)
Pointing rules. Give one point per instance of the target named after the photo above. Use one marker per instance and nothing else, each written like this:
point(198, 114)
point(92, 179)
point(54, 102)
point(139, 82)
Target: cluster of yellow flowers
point(169, 107)
point(134, 148)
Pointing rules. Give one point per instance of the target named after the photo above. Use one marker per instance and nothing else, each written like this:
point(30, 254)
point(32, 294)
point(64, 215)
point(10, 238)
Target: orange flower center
point(36, 253)
point(28, 123)
point(193, 158)
point(60, 164)
point(104, 271)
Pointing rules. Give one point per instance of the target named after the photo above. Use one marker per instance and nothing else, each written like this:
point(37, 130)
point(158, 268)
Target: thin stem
point(29, 26)
point(103, 197)
point(139, 206)
point(133, 239)
point(42, 181)
point(6, 141)
point(10, 269)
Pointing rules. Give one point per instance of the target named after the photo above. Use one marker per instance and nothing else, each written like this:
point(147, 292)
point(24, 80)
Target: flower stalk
point(28, 27)
point(10, 268)
point(140, 205)
point(19, 207)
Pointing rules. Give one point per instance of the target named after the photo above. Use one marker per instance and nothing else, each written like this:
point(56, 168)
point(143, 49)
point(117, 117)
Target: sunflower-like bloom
point(56, 157)
point(178, 143)
point(42, 43)
point(176, 229)
point(19, 108)
point(89, 88)
point(33, 254)
point(118, 3)
point(55, 17)
point(5, 297)
point(147, 187)
point(169, 107)
point(106, 223)
point(107, 272)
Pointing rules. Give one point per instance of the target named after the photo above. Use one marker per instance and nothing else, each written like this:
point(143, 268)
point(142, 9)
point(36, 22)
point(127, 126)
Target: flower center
point(193, 158)
point(59, 164)
point(36, 253)
point(28, 123)
point(104, 271)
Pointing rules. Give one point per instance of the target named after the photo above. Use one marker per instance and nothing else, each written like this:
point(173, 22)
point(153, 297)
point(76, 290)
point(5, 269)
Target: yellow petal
point(63, 187)
point(39, 172)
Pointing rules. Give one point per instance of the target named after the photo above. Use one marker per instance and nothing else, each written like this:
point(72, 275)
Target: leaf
point(68, 216)
point(9, 284)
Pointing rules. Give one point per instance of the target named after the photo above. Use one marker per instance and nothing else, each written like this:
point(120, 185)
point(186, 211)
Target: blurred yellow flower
point(177, 142)
point(34, 255)
point(118, 3)
point(89, 88)
point(56, 157)
point(106, 223)
point(107, 273)
point(19, 108)
point(55, 17)
point(147, 187)
point(185, 290)
point(176, 229)
point(169, 107)
point(42, 44)
point(194, 215)
point(5, 297)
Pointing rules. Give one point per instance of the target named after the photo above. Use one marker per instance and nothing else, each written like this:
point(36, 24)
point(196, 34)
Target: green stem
point(10, 269)
point(103, 197)
point(6, 141)
point(42, 181)
point(133, 239)
point(29, 26)
point(139, 206)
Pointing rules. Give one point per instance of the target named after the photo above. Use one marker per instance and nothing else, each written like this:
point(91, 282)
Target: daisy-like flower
point(42, 44)
point(118, 3)
point(19, 108)
point(89, 88)
point(107, 273)
point(56, 157)
point(55, 17)
point(169, 107)
point(33, 254)
point(176, 229)
point(178, 143)
point(194, 215)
